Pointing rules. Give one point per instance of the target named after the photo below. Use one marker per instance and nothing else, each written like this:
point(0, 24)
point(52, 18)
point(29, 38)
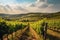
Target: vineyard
point(30, 27)
point(10, 30)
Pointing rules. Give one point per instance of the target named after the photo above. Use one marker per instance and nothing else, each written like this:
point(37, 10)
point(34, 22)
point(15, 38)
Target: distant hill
point(41, 15)
point(31, 16)
point(10, 15)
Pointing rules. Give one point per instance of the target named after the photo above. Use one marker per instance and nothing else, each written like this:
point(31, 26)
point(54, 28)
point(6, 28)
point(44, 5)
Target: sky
point(26, 6)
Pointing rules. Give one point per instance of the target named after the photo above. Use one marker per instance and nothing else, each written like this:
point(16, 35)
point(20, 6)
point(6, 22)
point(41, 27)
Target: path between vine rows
point(29, 33)
point(52, 35)
point(18, 34)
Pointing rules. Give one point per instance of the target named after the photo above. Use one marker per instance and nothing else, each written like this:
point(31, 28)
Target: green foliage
point(3, 29)
point(8, 29)
point(12, 26)
point(54, 23)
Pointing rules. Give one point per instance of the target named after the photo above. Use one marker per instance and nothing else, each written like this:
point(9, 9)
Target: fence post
point(45, 30)
point(28, 26)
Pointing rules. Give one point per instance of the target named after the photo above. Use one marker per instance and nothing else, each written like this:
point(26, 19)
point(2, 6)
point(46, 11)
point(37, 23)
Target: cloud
point(11, 9)
point(20, 8)
point(36, 6)
point(44, 6)
point(39, 3)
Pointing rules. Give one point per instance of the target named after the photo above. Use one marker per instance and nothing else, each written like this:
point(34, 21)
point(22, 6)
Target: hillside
point(39, 16)
point(31, 16)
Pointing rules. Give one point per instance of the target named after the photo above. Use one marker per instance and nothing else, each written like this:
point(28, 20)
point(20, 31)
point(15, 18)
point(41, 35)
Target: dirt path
point(35, 34)
point(52, 35)
point(56, 34)
point(21, 32)
point(27, 35)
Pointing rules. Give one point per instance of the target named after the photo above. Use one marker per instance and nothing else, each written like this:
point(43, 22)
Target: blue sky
point(29, 6)
point(25, 1)
point(28, 1)
point(17, 1)
point(54, 1)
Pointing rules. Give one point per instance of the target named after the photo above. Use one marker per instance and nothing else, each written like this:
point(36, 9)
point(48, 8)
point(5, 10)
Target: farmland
point(29, 26)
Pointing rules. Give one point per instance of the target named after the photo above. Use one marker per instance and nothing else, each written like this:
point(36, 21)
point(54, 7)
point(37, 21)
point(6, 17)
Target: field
point(30, 29)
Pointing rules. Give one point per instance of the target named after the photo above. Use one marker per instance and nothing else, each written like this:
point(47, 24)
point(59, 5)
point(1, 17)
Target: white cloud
point(38, 6)
point(44, 6)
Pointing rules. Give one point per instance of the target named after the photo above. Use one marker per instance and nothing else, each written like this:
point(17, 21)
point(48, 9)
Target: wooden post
point(28, 26)
point(45, 30)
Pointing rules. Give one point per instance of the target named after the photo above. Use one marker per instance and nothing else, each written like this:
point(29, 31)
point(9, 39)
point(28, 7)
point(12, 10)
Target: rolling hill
point(30, 16)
